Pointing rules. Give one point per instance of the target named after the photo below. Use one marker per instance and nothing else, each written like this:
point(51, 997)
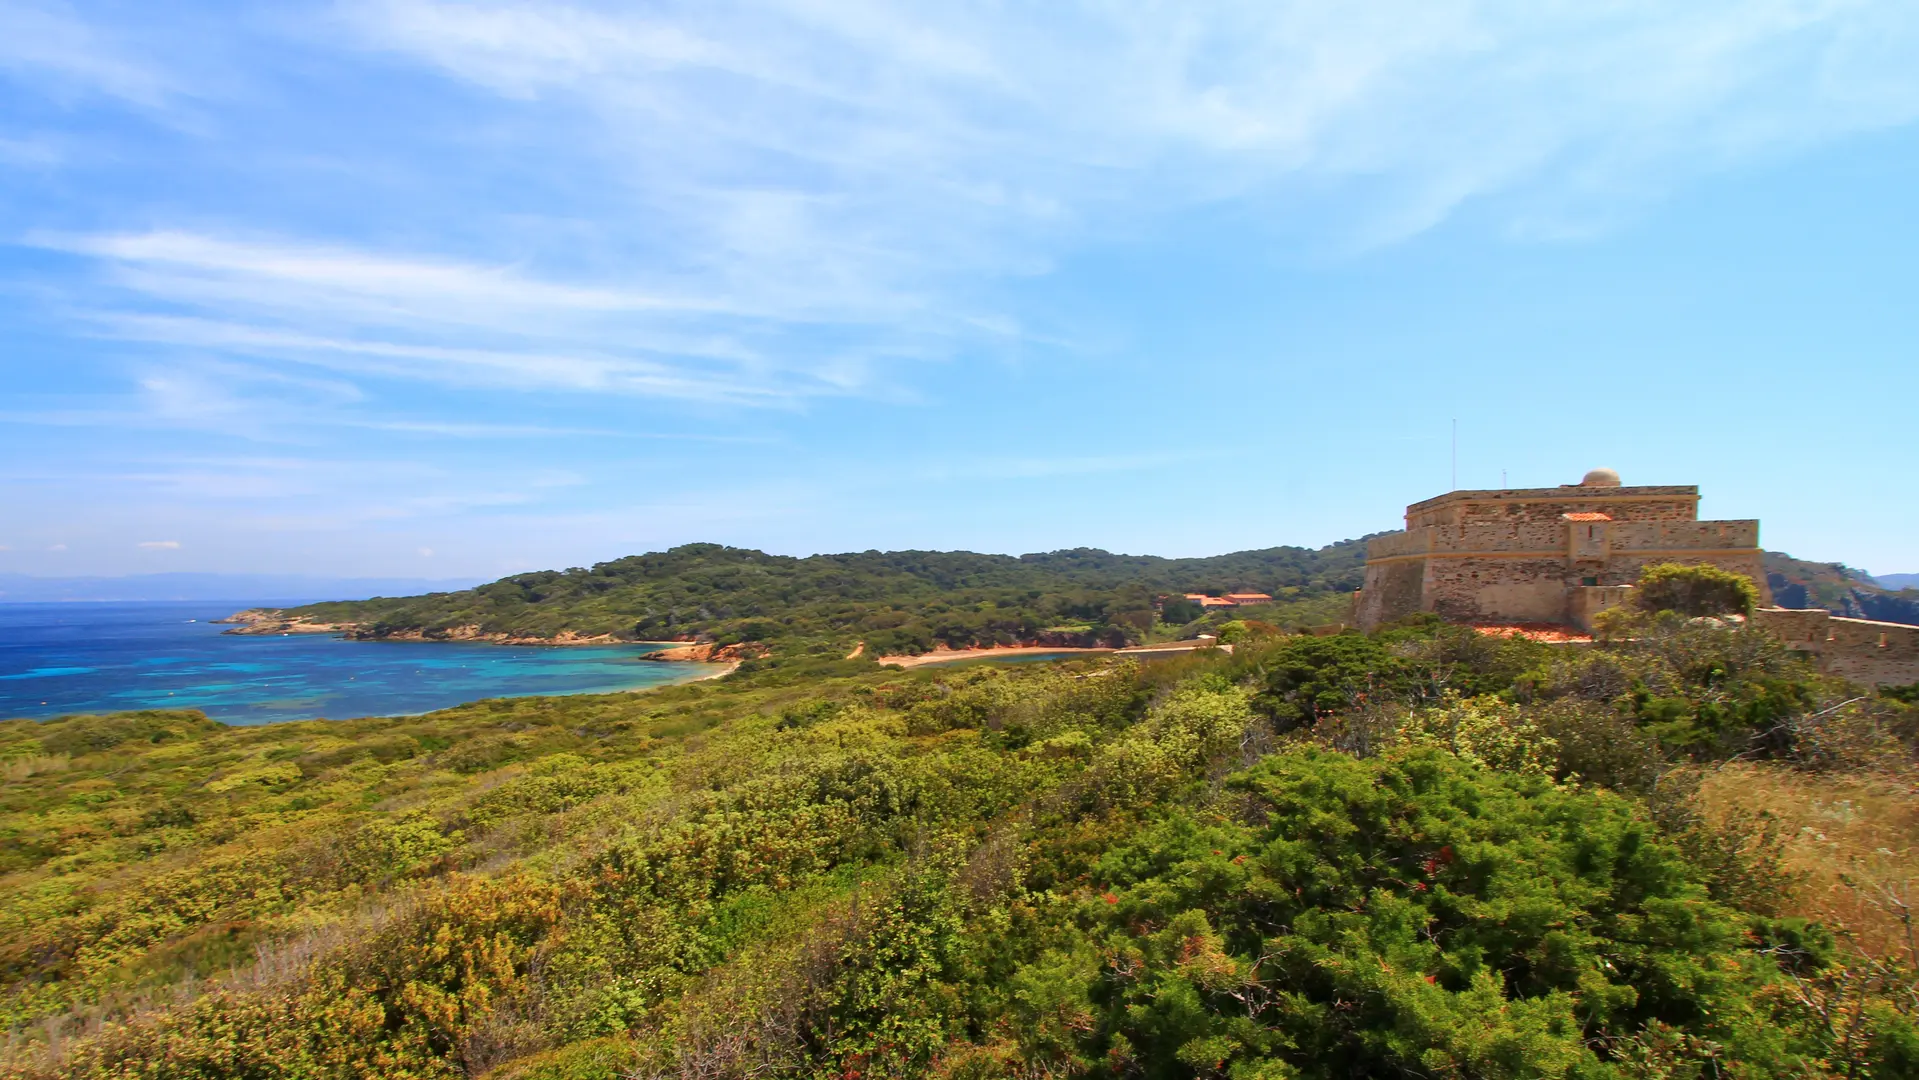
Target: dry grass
point(16, 769)
point(1854, 838)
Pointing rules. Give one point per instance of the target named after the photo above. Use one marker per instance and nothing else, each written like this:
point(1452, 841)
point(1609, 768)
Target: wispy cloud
point(65, 55)
point(159, 545)
point(439, 320)
point(1075, 114)
point(773, 202)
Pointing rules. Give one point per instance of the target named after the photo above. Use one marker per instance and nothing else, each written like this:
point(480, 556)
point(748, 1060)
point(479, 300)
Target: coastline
point(269, 622)
point(726, 669)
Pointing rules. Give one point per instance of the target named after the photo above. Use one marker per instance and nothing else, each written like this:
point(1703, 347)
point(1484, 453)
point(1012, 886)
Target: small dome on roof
point(1601, 478)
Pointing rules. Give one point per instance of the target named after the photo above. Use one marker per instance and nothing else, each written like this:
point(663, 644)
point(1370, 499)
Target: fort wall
point(1863, 651)
point(1589, 600)
point(1392, 591)
point(1521, 555)
point(1640, 503)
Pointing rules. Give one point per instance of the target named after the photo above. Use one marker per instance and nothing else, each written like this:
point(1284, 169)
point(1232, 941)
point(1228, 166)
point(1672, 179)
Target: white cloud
point(57, 547)
point(426, 553)
point(369, 314)
point(49, 46)
point(160, 545)
point(754, 205)
point(874, 115)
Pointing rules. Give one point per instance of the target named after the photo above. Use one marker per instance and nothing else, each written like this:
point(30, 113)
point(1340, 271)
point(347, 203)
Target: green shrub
point(1695, 589)
point(1417, 915)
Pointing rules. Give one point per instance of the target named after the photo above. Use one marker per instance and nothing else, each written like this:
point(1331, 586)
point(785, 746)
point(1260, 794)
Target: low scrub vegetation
point(1424, 852)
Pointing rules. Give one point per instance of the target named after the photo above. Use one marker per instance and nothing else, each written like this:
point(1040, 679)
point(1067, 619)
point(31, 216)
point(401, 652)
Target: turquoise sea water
point(78, 657)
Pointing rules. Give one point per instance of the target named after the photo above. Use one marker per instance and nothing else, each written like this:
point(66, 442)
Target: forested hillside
point(1425, 853)
point(896, 602)
point(1838, 588)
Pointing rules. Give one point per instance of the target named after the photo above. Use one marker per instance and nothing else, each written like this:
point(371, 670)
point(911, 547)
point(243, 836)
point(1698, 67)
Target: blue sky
point(436, 289)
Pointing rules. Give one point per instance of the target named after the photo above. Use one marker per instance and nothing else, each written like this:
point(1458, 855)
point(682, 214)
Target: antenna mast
point(1455, 454)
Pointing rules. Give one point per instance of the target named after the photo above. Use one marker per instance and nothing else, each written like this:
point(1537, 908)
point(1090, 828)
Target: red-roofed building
point(1205, 601)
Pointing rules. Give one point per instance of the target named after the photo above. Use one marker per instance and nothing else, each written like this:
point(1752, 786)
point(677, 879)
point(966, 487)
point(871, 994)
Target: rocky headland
point(269, 621)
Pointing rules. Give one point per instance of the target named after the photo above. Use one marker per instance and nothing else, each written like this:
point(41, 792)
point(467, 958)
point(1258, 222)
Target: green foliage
point(1305, 678)
point(1237, 631)
point(1178, 610)
point(1415, 916)
point(1696, 590)
point(820, 868)
point(899, 602)
point(1485, 731)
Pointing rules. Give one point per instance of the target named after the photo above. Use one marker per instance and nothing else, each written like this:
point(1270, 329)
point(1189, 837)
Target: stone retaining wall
point(1873, 653)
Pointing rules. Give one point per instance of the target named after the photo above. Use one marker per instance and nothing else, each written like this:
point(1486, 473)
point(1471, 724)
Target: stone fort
point(1561, 555)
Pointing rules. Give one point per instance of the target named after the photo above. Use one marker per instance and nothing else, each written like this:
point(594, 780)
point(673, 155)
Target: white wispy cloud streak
point(792, 198)
point(1073, 111)
point(65, 55)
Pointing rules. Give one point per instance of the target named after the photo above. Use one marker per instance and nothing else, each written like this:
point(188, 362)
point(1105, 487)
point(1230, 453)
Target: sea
point(79, 657)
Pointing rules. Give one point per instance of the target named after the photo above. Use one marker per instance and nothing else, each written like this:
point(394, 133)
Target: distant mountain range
point(251, 588)
point(1842, 590)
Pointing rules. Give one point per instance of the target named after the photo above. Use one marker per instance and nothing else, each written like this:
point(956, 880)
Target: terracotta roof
point(1586, 515)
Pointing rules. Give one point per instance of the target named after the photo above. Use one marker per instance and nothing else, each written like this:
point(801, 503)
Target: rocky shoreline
point(263, 622)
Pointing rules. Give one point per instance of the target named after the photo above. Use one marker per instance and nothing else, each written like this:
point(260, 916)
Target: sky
point(412, 288)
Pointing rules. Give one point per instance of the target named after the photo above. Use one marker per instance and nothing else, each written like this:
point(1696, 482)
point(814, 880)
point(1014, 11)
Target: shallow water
point(82, 657)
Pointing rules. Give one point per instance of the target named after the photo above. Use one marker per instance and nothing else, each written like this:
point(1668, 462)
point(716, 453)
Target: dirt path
point(947, 656)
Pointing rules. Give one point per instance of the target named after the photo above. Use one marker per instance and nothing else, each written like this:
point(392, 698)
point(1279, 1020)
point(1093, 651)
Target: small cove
point(101, 657)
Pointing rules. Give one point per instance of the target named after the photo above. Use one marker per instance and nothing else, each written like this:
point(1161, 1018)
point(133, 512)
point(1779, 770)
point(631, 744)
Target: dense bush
point(1695, 589)
point(1411, 916)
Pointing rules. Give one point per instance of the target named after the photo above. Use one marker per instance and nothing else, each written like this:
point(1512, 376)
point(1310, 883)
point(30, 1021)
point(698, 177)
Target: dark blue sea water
point(81, 657)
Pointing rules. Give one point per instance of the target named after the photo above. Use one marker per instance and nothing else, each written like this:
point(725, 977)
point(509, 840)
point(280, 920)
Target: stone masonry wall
point(1486, 513)
point(1551, 537)
point(1679, 535)
point(1528, 572)
point(1476, 556)
point(1642, 503)
point(1589, 600)
point(1872, 653)
point(1469, 589)
point(1392, 590)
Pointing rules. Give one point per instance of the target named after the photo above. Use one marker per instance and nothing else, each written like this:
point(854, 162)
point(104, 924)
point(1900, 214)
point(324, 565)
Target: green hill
point(896, 602)
point(1838, 588)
